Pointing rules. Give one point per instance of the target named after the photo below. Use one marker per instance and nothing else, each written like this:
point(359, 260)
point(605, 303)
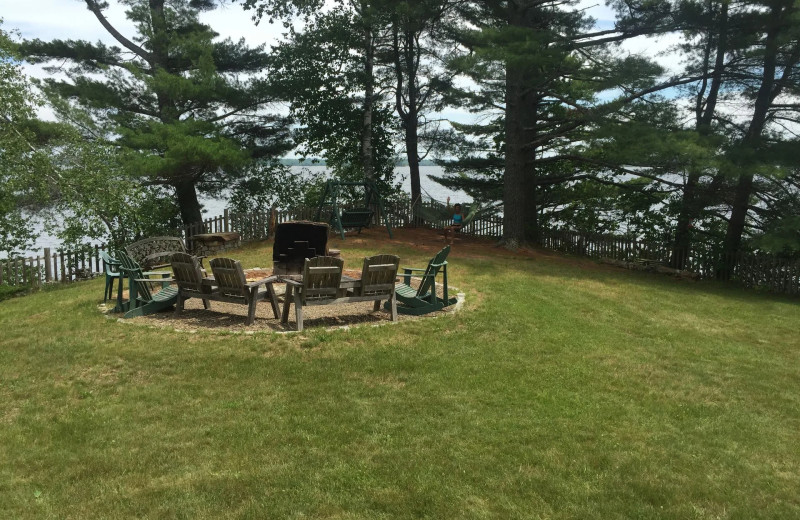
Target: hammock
point(437, 212)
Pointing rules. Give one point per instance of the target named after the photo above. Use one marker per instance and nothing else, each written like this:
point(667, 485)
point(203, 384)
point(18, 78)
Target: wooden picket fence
point(53, 266)
point(757, 270)
point(751, 269)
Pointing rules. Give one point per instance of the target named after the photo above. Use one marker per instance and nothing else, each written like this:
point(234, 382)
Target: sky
point(69, 19)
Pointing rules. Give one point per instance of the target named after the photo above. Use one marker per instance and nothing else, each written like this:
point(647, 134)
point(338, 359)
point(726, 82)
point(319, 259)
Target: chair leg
point(376, 306)
point(179, 303)
point(251, 308)
point(287, 299)
point(206, 303)
point(298, 311)
point(273, 299)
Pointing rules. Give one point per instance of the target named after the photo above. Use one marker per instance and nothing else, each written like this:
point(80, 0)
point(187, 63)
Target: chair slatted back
point(321, 278)
point(230, 278)
point(133, 270)
point(378, 275)
point(434, 266)
point(187, 272)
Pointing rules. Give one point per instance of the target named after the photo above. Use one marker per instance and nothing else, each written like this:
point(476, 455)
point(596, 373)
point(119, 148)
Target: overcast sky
point(49, 19)
point(69, 19)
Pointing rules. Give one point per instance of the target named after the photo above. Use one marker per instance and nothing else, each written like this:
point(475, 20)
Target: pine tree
point(540, 66)
point(185, 109)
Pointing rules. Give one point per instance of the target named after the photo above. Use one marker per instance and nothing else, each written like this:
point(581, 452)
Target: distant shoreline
point(321, 162)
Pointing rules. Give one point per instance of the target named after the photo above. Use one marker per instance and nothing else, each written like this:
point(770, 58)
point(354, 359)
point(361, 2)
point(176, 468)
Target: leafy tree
point(184, 109)
point(417, 47)
point(321, 72)
point(366, 24)
point(22, 163)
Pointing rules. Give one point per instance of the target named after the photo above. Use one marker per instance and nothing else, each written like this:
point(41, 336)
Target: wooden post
point(63, 270)
point(227, 220)
point(48, 269)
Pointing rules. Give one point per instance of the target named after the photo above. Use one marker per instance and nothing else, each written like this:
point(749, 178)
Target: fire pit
point(295, 241)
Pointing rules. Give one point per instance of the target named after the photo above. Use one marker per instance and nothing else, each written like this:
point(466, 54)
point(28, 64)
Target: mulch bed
point(230, 317)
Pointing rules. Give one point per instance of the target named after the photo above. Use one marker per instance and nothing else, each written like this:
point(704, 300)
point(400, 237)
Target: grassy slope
point(559, 392)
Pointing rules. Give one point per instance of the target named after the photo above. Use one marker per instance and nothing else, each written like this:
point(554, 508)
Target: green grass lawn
point(561, 390)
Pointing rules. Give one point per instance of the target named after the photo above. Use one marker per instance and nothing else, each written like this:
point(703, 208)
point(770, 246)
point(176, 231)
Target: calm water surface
point(214, 207)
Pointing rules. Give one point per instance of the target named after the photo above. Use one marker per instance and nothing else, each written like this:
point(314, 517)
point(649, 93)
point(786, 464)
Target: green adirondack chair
point(423, 299)
point(111, 268)
point(143, 297)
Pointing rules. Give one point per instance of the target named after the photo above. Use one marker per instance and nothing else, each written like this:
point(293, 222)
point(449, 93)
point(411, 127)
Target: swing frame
point(355, 217)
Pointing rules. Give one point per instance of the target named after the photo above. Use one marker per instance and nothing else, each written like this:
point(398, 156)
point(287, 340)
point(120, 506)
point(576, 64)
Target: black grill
point(295, 241)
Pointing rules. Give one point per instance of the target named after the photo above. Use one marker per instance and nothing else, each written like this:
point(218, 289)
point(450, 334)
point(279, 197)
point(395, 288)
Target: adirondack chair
point(322, 284)
point(322, 276)
point(378, 275)
point(111, 268)
point(232, 287)
point(189, 278)
point(423, 299)
point(146, 295)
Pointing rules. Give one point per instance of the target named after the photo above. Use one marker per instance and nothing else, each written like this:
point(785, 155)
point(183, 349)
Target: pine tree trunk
point(752, 141)
point(520, 220)
point(514, 192)
point(188, 203)
point(693, 202)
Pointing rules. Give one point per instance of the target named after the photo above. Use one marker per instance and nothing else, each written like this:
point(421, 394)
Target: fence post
point(226, 221)
point(48, 269)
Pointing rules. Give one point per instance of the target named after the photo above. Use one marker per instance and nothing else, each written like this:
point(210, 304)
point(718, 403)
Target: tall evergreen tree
point(768, 71)
point(184, 108)
point(543, 66)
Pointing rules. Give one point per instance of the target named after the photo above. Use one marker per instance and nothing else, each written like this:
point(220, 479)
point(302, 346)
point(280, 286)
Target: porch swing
point(352, 218)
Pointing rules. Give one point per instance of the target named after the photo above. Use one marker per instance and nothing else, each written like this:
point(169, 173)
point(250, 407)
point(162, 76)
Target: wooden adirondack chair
point(423, 299)
point(378, 275)
point(189, 278)
point(143, 297)
point(322, 285)
point(232, 287)
point(322, 276)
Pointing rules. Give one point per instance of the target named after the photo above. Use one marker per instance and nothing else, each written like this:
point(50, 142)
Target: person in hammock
point(458, 221)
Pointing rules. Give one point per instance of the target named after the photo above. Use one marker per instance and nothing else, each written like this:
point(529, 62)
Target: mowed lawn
point(562, 389)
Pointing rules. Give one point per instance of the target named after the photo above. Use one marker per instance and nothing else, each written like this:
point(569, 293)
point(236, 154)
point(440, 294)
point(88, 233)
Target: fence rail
point(758, 270)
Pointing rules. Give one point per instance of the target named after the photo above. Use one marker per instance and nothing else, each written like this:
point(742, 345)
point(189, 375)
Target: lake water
point(215, 207)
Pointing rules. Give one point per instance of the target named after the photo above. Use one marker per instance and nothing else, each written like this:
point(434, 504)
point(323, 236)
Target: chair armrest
point(157, 273)
point(295, 283)
point(412, 269)
point(264, 281)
